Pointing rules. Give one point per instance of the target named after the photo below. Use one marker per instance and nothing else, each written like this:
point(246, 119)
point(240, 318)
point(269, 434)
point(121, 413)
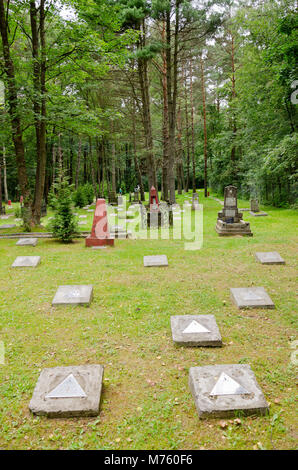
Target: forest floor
point(146, 402)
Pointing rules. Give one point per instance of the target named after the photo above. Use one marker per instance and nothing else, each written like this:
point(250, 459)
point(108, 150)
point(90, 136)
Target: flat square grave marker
point(155, 260)
point(220, 391)
point(27, 242)
point(270, 257)
point(26, 262)
point(82, 217)
point(251, 297)
point(63, 392)
point(73, 295)
point(195, 330)
point(5, 226)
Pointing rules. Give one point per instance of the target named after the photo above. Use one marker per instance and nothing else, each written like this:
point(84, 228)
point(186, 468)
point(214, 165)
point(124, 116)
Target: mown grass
point(146, 402)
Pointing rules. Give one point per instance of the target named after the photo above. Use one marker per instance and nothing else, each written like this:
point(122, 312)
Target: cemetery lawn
point(146, 402)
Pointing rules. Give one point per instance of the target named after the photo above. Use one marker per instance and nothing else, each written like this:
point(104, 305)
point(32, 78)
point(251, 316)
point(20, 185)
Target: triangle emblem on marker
point(195, 327)
point(227, 386)
point(68, 388)
point(251, 296)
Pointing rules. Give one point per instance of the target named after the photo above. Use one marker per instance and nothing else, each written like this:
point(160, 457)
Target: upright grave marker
point(63, 392)
point(229, 220)
point(255, 209)
point(195, 330)
point(100, 233)
point(220, 391)
point(195, 202)
point(251, 297)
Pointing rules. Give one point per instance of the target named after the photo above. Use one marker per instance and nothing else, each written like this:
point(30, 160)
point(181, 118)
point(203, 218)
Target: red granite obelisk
point(100, 235)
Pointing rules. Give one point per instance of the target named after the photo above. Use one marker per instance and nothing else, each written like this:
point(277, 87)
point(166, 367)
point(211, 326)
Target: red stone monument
point(154, 204)
point(100, 233)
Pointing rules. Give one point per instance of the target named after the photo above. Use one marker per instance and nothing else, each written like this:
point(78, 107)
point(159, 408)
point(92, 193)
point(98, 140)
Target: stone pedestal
point(229, 220)
point(64, 392)
point(195, 202)
point(220, 391)
point(100, 234)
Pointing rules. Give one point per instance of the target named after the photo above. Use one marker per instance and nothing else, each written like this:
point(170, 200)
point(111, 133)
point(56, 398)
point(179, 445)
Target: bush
point(79, 197)
point(89, 193)
point(64, 225)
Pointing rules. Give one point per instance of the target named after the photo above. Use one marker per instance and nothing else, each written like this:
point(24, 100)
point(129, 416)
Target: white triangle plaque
point(227, 386)
point(195, 327)
point(68, 388)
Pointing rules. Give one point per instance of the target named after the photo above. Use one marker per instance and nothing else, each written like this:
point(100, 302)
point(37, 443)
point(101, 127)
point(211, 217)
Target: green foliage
point(63, 225)
point(89, 192)
point(79, 197)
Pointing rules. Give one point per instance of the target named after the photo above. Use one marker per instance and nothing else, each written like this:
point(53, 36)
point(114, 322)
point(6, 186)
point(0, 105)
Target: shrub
point(64, 225)
point(89, 192)
point(79, 197)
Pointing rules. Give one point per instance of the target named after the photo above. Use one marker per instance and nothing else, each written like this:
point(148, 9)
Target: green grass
point(146, 402)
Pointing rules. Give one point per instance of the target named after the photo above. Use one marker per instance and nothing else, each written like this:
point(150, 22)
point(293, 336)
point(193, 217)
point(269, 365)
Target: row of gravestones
point(218, 390)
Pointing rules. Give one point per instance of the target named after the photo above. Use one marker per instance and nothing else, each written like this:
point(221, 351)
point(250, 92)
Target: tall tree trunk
point(187, 132)
point(192, 131)
point(135, 157)
point(78, 164)
point(165, 129)
point(12, 99)
point(233, 151)
point(0, 185)
point(205, 126)
point(5, 175)
point(39, 73)
point(179, 153)
point(144, 85)
point(172, 88)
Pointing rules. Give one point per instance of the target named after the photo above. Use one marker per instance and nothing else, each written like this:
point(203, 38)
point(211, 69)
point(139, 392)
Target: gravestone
point(254, 205)
point(82, 223)
point(5, 226)
point(117, 231)
point(195, 330)
point(82, 217)
point(100, 232)
point(73, 295)
point(195, 202)
point(251, 297)
point(159, 214)
point(255, 209)
point(220, 391)
point(26, 262)
point(63, 392)
point(112, 197)
point(4, 217)
point(155, 261)
point(270, 257)
point(27, 242)
point(90, 210)
point(229, 220)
